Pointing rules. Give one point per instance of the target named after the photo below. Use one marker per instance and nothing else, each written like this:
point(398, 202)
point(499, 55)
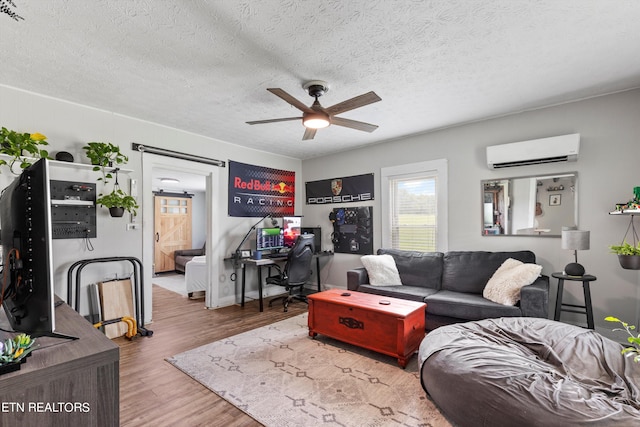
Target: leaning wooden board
point(116, 300)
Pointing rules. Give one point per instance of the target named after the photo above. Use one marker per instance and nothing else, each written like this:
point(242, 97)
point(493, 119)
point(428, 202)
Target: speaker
point(64, 156)
point(574, 269)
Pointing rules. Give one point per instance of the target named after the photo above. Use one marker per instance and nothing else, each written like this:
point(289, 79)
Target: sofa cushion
point(382, 270)
point(412, 293)
point(467, 306)
point(422, 269)
point(470, 271)
point(505, 284)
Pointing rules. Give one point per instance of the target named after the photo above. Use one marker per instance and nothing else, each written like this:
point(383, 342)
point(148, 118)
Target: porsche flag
point(357, 188)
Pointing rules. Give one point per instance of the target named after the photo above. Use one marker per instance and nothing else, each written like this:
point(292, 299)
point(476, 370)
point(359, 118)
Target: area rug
point(281, 377)
point(172, 282)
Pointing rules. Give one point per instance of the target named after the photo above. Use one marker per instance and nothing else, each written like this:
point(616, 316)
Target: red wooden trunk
point(387, 325)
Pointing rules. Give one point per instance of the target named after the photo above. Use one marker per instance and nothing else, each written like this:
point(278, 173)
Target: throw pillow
point(382, 270)
point(505, 284)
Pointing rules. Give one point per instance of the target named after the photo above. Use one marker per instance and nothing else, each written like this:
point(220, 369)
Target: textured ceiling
point(204, 66)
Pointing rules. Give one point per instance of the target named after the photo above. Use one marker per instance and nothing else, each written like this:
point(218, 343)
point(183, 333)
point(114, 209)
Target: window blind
point(414, 213)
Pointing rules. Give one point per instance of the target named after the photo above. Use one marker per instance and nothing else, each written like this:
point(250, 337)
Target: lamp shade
point(575, 239)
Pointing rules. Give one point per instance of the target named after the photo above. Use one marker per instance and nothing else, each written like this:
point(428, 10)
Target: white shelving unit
point(69, 165)
point(626, 212)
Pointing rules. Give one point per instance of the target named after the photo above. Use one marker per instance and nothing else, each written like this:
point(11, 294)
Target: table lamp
point(576, 240)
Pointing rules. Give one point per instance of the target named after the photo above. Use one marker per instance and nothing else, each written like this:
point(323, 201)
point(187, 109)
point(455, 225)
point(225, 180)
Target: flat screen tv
point(269, 238)
point(291, 226)
point(25, 234)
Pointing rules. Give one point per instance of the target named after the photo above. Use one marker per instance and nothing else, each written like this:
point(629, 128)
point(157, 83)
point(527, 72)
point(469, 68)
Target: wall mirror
point(532, 205)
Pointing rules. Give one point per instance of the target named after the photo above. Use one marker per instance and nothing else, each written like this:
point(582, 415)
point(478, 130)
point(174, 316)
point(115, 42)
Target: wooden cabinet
point(64, 382)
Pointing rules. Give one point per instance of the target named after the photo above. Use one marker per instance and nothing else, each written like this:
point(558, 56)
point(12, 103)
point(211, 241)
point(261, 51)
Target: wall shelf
point(69, 165)
point(626, 212)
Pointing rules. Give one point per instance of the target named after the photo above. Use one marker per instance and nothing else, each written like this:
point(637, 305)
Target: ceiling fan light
point(315, 121)
point(169, 180)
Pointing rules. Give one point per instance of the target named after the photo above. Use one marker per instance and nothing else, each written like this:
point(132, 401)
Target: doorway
point(208, 218)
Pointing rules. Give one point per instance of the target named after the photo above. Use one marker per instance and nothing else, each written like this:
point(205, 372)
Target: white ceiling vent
point(555, 149)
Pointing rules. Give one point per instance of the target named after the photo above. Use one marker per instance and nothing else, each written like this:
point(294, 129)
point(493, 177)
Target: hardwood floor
point(154, 393)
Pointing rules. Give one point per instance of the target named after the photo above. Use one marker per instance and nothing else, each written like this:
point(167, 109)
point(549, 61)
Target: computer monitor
point(269, 238)
point(291, 226)
point(25, 234)
point(317, 236)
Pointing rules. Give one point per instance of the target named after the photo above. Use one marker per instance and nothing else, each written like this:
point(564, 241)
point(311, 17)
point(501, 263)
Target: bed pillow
point(505, 284)
point(382, 270)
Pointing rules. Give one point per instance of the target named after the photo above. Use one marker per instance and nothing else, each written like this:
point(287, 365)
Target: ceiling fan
point(316, 116)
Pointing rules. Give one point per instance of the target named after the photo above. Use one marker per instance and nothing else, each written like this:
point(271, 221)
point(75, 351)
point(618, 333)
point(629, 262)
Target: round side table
point(582, 309)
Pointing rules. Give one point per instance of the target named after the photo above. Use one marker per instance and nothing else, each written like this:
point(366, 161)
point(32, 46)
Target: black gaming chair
point(296, 272)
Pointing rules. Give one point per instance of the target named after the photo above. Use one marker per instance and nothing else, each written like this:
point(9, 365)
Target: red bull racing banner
point(357, 188)
point(259, 191)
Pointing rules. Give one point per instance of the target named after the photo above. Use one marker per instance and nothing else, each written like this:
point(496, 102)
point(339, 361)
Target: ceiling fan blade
point(309, 133)
point(290, 99)
point(353, 103)
point(353, 124)
point(286, 119)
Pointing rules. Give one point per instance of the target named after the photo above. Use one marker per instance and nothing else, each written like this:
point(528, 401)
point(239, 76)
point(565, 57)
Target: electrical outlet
point(133, 227)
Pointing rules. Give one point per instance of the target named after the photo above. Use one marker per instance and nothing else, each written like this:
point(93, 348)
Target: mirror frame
point(484, 229)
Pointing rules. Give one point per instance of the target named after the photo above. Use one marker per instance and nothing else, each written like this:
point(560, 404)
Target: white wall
point(69, 126)
point(607, 170)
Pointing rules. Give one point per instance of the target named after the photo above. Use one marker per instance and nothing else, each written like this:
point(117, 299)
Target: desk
point(584, 309)
point(81, 372)
point(266, 262)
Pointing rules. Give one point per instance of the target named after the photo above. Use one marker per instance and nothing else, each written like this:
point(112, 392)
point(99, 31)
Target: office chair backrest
point(298, 268)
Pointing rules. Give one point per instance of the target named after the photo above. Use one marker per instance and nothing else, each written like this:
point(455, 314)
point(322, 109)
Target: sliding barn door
point(172, 230)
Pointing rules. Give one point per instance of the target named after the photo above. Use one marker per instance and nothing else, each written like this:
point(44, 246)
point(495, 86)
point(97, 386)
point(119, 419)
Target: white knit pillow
point(505, 284)
point(382, 270)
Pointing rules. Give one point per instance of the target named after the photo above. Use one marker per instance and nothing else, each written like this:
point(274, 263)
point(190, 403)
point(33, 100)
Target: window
point(415, 206)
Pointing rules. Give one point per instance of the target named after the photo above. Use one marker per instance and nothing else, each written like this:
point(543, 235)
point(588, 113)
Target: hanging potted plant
point(118, 202)
point(104, 155)
point(18, 145)
point(628, 255)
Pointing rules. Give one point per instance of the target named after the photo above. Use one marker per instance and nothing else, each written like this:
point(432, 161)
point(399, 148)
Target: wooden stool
point(584, 309)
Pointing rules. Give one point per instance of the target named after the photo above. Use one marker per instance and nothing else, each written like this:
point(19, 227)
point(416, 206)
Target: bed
point(195, 274)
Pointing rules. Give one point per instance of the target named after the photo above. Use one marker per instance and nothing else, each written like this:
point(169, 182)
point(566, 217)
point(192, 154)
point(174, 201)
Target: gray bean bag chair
point(517, 371)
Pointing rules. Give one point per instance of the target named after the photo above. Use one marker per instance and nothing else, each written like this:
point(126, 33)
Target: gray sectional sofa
point(452, 284)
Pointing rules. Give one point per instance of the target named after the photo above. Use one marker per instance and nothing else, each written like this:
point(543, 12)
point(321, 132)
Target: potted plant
point(16, 145)
point(13, 351)
point(118, 202)
point(628, 255)
point(634, 340)
point(103, 155)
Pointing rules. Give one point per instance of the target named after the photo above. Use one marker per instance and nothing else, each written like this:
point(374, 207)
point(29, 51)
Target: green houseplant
point(17, 145)
point(628, 255)
point(634, 340)
point(103, 155)
point(118, 202)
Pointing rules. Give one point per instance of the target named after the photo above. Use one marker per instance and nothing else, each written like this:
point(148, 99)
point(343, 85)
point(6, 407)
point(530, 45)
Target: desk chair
point(296, 272)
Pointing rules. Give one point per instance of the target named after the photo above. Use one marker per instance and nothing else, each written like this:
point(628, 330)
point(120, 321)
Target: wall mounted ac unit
point(555, 149)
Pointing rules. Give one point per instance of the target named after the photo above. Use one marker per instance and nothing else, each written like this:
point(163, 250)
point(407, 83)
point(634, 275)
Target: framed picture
point(555, 199)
